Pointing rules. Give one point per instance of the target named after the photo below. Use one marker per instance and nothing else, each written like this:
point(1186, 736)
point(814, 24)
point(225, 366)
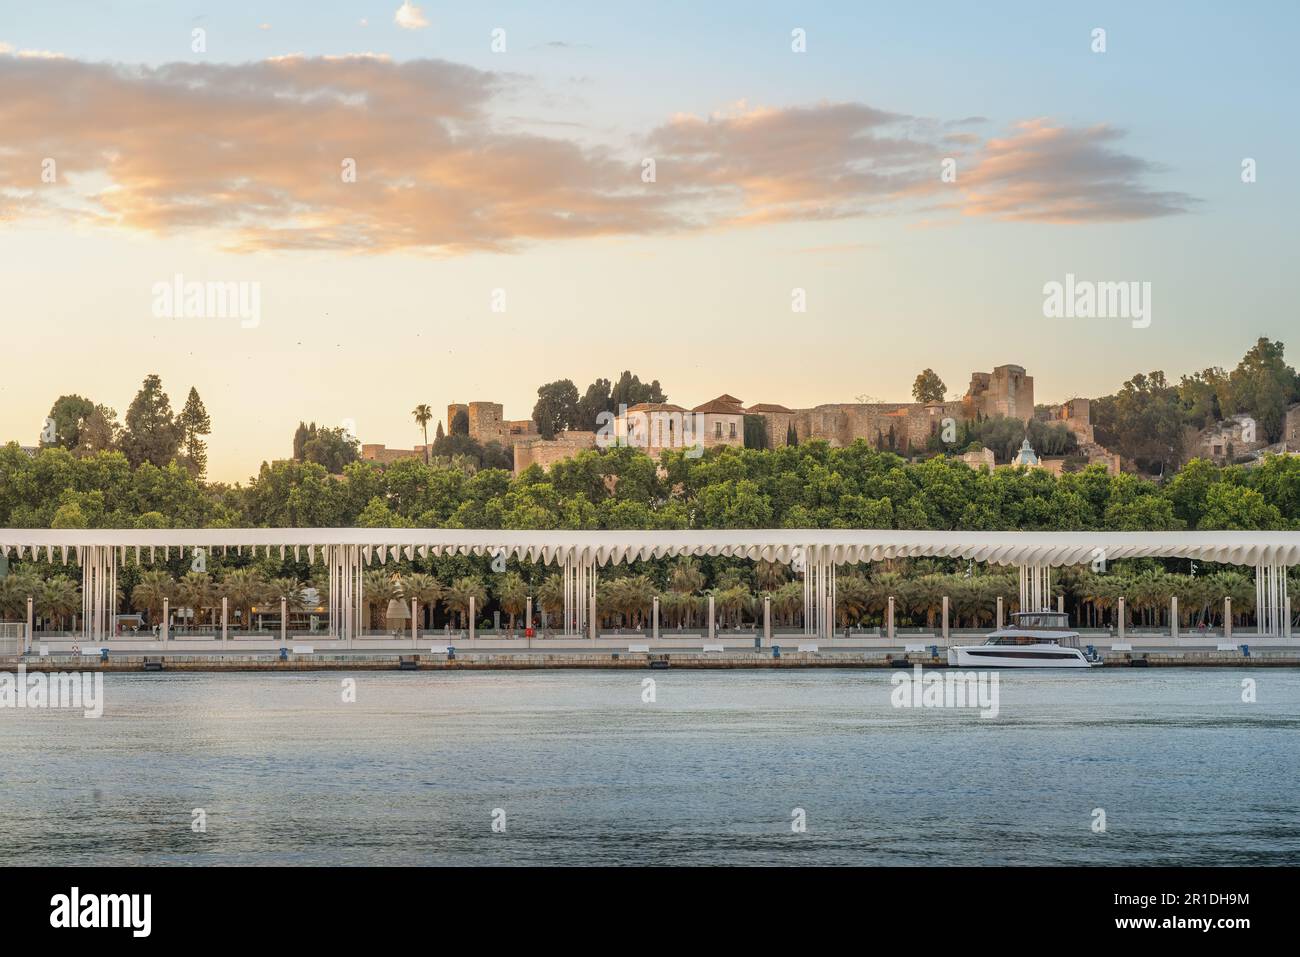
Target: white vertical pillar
point(1227, 618)
point(999, 614)
point(415, 621)
point(225, 619)
point(528, 614)
point(473, 615)
point(767, 619)
point(945, 619)
point(889, 619)
point(166, 616)
point(284, 619)
point(31, 622)
point(1173, 617)
point(593, 622)
point(712, 621)
point(654, 611)
point(1122, 618)
point(1060, 604)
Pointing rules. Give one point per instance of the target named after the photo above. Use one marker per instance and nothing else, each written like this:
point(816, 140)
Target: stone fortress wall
point(904, 426)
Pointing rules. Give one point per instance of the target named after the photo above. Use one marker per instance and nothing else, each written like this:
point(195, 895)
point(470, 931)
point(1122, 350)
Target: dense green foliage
point(808, 486)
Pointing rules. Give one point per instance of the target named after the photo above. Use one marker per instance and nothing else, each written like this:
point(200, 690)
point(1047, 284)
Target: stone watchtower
point(1006, 391)
point(487, 423)
point(451, 413)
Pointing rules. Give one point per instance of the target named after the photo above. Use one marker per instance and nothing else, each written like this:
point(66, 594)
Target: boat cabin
point(1041, 620)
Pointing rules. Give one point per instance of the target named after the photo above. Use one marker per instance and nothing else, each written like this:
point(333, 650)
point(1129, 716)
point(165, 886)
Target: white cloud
point(410, 17)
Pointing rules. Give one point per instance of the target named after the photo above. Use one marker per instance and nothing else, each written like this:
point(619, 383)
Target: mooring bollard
point(776, 651)
point(284, 654)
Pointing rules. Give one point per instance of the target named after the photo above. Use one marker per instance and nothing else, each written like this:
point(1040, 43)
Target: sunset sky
point(521, 171)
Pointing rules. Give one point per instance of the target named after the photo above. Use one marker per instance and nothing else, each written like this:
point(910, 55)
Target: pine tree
point(195, 422)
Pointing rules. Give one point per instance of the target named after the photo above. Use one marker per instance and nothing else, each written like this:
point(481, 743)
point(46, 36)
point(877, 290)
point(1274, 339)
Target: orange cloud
point(255, 153)
point(1055, 174)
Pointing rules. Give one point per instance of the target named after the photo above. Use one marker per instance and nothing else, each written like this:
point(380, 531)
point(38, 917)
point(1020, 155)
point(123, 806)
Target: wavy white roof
point(781, 545)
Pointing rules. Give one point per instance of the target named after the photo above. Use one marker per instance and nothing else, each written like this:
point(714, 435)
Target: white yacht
point(1037, 639)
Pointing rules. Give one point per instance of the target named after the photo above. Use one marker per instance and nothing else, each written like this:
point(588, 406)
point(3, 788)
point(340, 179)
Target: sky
point(913, 177)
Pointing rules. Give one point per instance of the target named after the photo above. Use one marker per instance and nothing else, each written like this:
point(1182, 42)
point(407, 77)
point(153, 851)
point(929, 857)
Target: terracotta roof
point(656, 407)
point(723, 404)
point(768, 407)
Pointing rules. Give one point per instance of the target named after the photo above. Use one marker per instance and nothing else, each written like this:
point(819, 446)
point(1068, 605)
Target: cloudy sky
point(501, 155)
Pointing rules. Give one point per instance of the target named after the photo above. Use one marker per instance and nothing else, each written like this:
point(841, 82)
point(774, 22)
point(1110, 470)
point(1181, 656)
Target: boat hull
point(993, 656)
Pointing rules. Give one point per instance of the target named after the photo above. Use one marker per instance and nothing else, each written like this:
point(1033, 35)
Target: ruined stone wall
point(910, 423)
point(1291, 429)
point(546, 452)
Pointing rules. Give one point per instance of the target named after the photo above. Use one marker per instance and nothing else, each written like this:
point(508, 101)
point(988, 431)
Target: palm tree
point(512, 593)
point(58, 597)
point(926, 597)
point(425, 589)
point(882, 586)
point(457, 597)
point(675, 606)
point(731, 603)
point(787, 602)
point(155, 586)
point(378, 588)
point(853, 596)
point(551, 597)
point(14, 592)
point(770, 575)
point(640, 599)
point(291, 590)
point(195, 592)
point(244, 588)
point(422, 414)
point(687, 579)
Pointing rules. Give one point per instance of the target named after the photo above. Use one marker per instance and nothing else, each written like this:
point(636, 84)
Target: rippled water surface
point(586, 772)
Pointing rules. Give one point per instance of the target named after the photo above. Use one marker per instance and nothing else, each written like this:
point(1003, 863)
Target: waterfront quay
point(665, 653)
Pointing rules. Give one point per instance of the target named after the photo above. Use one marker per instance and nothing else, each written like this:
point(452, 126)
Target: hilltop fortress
point(905, 427)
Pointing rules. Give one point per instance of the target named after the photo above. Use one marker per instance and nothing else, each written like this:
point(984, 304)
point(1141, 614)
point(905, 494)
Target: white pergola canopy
point(611, 547)
point(815, 553)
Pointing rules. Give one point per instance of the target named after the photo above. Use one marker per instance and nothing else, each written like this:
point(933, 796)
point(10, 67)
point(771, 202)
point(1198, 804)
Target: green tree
point(155, 587)
point(68, 414)
point(57, 598)
point(194, 423)
point(928, 387)
point(151, 433)
point(422, 414)
point(512, 593)
point(458, 594)
point(1263, 386)
point(556, 408)
point(243, 588)
point(334, 449)
point(99, 432)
